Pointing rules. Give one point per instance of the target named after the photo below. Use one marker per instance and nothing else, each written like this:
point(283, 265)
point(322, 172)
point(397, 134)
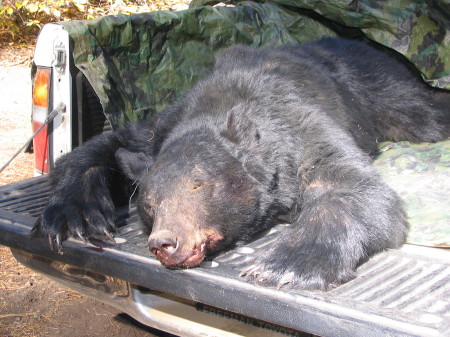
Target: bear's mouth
point(197, 257)
point(190, 258)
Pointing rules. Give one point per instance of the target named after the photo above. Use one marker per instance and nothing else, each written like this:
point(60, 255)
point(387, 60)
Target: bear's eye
point(148, 208)
point(196, 185)
point(148, 204)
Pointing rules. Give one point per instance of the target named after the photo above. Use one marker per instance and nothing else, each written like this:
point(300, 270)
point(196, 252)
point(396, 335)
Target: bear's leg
point(346, 215)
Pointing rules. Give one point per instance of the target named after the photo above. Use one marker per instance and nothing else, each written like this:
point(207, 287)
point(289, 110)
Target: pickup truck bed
point(398, 293)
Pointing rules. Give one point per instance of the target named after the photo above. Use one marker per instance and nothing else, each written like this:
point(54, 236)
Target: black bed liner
point(398, 293)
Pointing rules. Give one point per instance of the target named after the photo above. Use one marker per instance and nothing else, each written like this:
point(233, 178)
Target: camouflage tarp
point(140, 63)
point(417, 29)
point(420, 173)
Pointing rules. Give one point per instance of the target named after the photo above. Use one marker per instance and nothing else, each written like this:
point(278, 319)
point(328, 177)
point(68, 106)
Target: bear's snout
point(172, 253)
point(175, 252)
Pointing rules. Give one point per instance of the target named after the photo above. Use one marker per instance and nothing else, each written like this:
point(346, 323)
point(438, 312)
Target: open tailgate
point(398, 293)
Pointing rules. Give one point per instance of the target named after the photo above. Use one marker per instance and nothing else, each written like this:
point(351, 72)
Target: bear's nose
point(163, 245)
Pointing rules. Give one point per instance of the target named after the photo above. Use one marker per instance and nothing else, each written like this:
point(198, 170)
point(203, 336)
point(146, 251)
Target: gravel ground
point(15, 126)
point(31, 304)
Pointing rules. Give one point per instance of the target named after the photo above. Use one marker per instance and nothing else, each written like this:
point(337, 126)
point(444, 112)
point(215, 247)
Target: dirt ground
point(31, 304)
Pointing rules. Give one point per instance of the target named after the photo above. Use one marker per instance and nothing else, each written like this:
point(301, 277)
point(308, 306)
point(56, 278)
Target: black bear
point(271, 131)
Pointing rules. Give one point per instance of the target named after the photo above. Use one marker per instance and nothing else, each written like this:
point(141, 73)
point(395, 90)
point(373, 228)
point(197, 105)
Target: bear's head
point(198, 195)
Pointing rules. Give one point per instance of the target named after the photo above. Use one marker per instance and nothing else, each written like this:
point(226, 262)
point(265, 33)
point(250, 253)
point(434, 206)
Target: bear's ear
point(133, 164)
point(239, 129)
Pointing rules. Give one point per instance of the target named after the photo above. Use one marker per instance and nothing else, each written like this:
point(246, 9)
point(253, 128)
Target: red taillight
point(41, 89)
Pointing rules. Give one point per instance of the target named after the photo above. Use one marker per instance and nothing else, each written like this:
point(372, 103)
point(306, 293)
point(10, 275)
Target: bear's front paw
point(299, 271)
point(84, 221)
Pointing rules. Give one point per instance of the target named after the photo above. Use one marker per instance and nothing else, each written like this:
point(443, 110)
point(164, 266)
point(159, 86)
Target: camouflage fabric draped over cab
point(138, 64)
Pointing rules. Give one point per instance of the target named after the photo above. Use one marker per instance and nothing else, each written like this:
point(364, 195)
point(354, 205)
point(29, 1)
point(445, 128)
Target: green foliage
point(21, 20)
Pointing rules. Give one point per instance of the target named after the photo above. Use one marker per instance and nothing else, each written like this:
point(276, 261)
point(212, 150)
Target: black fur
point(271, 131)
